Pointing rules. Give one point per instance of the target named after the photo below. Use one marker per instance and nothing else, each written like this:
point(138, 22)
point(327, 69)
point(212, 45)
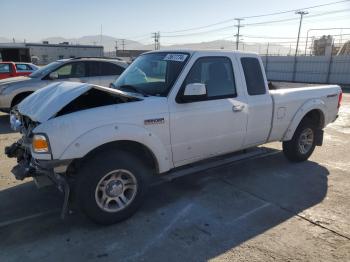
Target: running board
point(247, 154)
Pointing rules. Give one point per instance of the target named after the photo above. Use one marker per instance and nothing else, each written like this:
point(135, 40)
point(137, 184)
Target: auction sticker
point(175, 57)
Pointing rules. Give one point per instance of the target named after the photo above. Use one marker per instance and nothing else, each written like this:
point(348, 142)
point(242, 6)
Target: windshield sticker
point(175, 57)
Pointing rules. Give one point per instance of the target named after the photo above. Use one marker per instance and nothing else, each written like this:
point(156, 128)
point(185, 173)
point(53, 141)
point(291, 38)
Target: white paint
point(21, 219)
point(158, 237)
point(249, 213)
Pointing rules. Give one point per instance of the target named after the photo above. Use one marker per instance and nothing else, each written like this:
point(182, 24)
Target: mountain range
point(109, 44)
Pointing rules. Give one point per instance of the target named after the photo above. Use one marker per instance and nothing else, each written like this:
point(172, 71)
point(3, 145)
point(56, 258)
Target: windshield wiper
point(133, 88)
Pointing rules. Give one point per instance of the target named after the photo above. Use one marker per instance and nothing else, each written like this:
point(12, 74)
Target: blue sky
point(37, 19)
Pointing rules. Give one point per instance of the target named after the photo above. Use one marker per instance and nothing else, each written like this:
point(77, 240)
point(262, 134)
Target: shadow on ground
point(5, 124)
point(197, 217)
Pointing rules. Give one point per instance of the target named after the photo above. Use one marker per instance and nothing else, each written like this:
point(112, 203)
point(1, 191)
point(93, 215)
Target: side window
point(94, 68)
point(22, 67)
point(216, 73)
point(253, 76)
point(72, 70)
point(4, 68)
point(109, 69)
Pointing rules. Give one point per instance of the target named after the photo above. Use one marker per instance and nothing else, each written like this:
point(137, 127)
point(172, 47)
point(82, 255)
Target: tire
point(117, 176)
point(302, 144)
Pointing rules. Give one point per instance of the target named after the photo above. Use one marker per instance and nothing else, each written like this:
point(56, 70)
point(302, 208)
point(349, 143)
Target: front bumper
point(42, 171)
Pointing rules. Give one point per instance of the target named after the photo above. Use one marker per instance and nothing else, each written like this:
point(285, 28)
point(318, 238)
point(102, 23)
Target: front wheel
point(111, 186)
point(302, 144)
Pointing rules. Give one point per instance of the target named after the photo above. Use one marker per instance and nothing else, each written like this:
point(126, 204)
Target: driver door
point(211, 126)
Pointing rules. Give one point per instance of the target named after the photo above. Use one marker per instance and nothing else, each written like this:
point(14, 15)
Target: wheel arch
point(19, 97)
point(314, 111)
point(136, 148)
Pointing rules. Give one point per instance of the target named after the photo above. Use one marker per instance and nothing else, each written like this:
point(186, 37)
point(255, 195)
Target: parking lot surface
point(255, 210)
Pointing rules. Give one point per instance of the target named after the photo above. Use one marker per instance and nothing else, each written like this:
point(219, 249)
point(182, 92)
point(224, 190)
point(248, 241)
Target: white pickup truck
point(167, 110)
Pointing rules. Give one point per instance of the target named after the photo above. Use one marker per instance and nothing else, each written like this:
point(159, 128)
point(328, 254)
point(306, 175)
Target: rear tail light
point(340, 98)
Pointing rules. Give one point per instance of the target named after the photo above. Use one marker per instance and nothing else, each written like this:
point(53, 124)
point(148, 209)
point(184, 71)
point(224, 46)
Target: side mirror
point(53, 76)
point(194, 92)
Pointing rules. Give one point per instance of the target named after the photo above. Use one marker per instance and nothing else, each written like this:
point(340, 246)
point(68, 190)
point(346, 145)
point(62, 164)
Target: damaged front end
point(42, 171)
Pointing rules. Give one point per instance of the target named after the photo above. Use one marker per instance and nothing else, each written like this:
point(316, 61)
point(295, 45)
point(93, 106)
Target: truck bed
point(295, 98)
point(282, 85)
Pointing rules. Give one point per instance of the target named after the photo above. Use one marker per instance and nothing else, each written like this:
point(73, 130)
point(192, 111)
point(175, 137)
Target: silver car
point(98, 71)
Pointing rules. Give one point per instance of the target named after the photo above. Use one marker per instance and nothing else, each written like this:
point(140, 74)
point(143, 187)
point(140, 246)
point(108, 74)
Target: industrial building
point(45, 53)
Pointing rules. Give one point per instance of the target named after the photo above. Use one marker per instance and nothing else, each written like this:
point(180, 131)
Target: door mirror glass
point(53, 75)
point(194, 92)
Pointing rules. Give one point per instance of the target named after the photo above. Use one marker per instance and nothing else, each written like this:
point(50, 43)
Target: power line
point(255, 16)
point(258, 23)
point(294, 19)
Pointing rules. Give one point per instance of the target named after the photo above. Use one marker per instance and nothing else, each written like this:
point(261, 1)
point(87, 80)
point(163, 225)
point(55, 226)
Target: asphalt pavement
point(260, 209)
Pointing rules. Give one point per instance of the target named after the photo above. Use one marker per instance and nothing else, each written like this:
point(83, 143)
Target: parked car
point(168, 111)
point(96, 71)
point(13, 69)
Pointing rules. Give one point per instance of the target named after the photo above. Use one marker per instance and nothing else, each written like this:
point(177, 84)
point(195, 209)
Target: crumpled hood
point(46, 102)
point(16, 80)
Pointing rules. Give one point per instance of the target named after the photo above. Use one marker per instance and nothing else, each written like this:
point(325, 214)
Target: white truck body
point(175, 133)
point(189, 132)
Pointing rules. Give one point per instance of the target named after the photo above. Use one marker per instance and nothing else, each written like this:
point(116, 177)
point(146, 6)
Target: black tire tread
point(290, 148)
point(92, 170)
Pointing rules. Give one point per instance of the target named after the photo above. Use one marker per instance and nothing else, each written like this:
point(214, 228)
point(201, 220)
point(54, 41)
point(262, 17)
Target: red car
point(12, 69)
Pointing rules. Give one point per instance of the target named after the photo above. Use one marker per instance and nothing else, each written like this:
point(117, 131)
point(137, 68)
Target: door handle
point(237, 108)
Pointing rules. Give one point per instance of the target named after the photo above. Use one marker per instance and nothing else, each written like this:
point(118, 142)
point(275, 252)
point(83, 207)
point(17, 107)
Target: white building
point(45, 53)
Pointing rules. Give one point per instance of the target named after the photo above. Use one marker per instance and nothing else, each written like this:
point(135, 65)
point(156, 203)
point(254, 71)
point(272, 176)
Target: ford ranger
point(168, 110)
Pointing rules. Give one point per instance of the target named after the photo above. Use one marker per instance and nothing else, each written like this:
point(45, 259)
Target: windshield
point(152, 74)
point(45, 70)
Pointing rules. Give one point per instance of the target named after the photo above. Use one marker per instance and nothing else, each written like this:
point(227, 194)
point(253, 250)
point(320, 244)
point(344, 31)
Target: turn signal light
point(40, 144)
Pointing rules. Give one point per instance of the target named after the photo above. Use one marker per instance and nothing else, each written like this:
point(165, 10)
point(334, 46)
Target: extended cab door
point(259, 100)
point(214, 125)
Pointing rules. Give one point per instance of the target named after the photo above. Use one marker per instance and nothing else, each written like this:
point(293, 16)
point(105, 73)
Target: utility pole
point(156, 37)
point(116, 48)
point(301, 13)
point(101, 35)
point(123, 44)
point(238, 29)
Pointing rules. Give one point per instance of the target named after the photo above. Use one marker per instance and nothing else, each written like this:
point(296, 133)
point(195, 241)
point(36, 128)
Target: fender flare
point(99, 136)
point(313, 104)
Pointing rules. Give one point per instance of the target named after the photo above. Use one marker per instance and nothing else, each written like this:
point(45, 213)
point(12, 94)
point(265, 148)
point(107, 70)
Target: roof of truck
point(208, 51)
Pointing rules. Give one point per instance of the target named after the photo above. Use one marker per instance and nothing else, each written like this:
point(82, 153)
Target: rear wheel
point(303, 143)
point(111, 186)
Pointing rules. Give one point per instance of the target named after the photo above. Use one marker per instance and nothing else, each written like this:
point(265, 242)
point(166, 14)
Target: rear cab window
point(23, 67)
point(253, 76)
point(5, 68)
